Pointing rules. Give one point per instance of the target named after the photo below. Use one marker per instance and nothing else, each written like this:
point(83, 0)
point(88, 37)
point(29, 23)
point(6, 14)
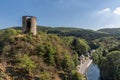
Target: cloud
point(109, 26)
point(104, 10)
point(117, 11)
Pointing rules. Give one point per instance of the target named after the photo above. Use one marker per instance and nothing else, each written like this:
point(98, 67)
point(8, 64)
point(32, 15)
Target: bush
point(77, 76)
point(26, 63)
point(45, 76)
point(50, 55)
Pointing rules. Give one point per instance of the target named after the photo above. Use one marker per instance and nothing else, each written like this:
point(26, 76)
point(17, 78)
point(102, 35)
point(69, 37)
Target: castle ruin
point(29, 24)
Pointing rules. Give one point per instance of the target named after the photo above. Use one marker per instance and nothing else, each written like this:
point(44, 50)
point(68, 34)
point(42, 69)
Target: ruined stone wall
point(31, 28)
point(24, 24)
point(33, 25)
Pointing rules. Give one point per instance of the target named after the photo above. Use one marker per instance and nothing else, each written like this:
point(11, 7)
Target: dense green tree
point(95, 57)
point(68, 63)
point(26, 63)
point(80, 46)
point(75, 59)
point(77, 76)
point(50, 55)
point(77, 32)
point(110, 66)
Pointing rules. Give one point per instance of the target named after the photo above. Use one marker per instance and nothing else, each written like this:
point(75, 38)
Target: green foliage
point(95, 57)
point(45, 52)
point(75, 59)
point(68, 40)
point(98, 55)
point(68, 63)
point(80, 46)
point(45, 76)
point(41, 50)
point(115, 31)
point(77, 32)
point(110, 67)
point(11, 31)
point(107, 57)
point(50, 54)
point(26, 63)
point(77, 76)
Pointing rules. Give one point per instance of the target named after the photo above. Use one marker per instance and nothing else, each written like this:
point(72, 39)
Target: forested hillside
point(115, 31)
point(40, 57)
point(107, 56)
point(53, 53)
point(86, 34)
point(77, 32)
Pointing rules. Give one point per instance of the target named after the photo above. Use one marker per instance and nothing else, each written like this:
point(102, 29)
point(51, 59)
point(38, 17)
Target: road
point(82, 68)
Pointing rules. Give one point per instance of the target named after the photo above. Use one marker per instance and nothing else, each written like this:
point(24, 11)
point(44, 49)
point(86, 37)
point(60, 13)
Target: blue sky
point(88, 14)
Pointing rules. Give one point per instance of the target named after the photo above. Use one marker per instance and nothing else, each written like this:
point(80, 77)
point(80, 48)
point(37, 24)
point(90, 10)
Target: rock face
point(29, 24)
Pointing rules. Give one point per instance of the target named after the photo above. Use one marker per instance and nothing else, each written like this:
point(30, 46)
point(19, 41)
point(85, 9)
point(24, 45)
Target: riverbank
point(82, 68)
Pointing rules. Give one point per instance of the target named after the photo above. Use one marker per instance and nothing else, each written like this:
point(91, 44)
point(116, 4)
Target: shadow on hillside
point(19, 74)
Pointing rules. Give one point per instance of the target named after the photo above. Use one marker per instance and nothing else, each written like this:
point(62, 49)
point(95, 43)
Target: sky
point(88, 14)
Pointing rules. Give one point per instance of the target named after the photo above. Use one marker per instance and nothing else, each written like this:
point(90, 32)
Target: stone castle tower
point(29, 24)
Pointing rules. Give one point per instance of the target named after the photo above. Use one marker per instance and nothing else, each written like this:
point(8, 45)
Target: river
point(93, 72)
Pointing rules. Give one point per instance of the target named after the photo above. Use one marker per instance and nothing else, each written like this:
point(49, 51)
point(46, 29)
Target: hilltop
point(53, 53)
point(115, 31)
point(44, 56)
point(86, 34)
